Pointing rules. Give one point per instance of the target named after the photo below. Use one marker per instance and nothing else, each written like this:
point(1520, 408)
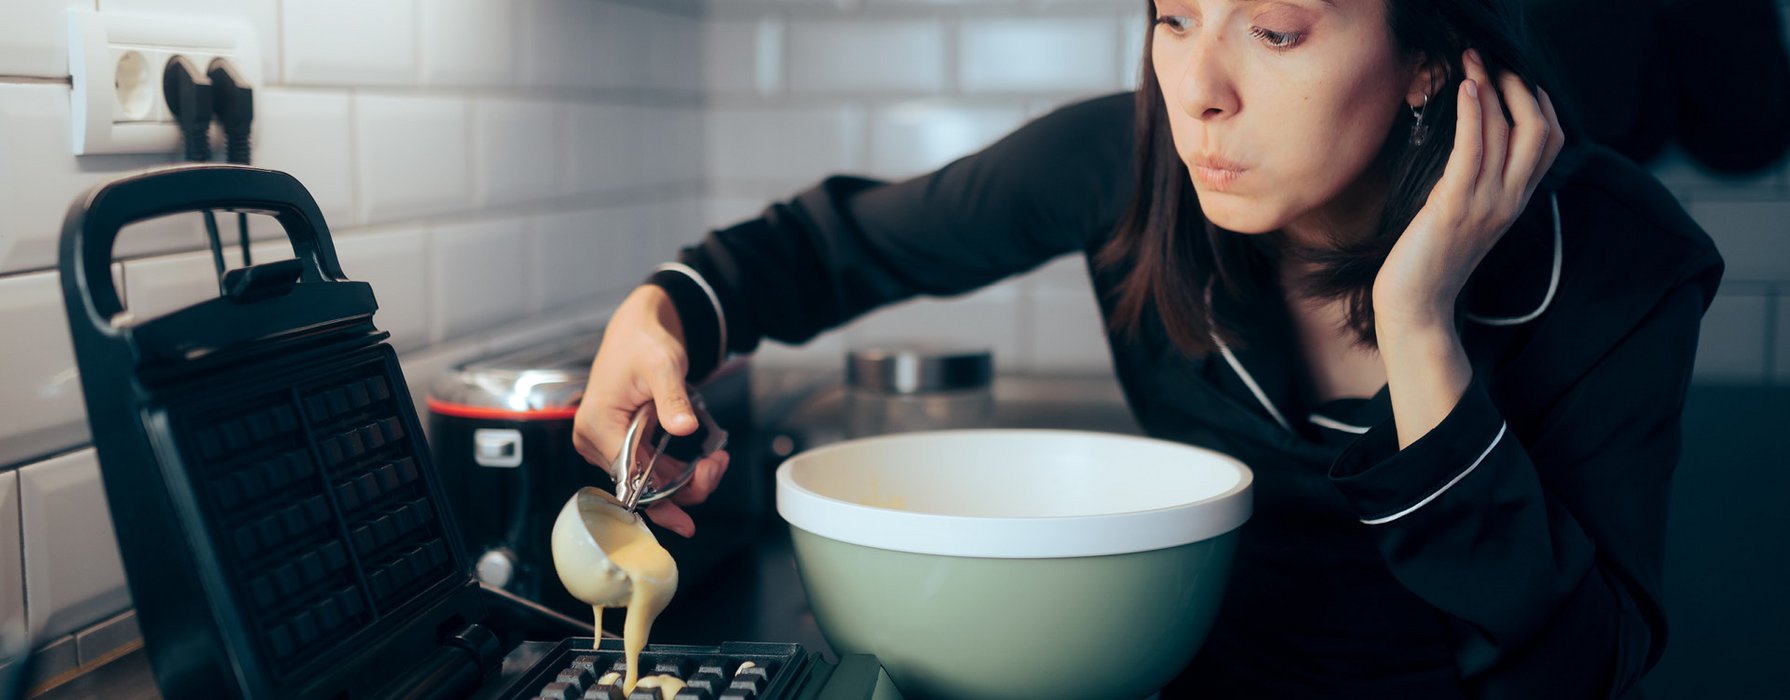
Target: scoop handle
point(633, 478)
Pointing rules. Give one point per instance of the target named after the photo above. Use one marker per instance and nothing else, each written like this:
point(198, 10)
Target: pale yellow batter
point(606, 558)
point(666, 685)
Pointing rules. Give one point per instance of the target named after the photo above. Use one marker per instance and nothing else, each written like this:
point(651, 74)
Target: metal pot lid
point(912, 368)
point(538, 382)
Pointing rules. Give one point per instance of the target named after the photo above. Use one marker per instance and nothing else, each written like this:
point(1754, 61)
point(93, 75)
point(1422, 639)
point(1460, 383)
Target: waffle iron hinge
point(454, 671)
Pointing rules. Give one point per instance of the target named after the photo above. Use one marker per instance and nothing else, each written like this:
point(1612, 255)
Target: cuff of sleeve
point(705, 330)
point(1384, 483)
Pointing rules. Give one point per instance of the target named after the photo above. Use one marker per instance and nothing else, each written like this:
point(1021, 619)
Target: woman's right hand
point(642, 360)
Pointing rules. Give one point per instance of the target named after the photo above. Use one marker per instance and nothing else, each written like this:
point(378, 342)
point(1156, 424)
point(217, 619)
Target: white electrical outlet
point(116, 61)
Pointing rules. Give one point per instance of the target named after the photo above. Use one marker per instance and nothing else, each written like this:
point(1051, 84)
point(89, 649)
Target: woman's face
point(1278, 107)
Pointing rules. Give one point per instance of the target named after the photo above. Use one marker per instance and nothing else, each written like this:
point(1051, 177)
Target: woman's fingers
point(1528, 141)
point(600, 423)
point(1495, 132)
point(669, 516)
point(708, 475)
point(1461, 174)
point(671, 398)
point(1556, 137)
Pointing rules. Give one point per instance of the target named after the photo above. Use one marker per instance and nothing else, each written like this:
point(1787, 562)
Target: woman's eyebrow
point(1331, 3)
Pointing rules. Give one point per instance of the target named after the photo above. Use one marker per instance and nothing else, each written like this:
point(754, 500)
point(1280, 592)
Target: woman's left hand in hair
point(1491, 174)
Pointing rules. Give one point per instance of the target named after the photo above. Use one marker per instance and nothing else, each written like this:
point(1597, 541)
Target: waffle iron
point(283, 531)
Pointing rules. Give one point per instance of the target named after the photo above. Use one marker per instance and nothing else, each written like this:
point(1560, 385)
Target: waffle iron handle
point(92, 225)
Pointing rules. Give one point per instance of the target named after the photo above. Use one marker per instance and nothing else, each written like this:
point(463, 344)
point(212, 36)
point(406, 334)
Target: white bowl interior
point(1017, 474)
point(1014, 493)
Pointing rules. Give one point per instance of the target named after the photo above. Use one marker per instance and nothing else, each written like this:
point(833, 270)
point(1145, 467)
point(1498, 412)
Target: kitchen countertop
point(1726, 493)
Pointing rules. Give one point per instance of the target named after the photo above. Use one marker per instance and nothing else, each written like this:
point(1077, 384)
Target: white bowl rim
point(1017, 537)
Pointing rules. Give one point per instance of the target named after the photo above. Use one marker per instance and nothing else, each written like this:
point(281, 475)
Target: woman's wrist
point(1432, 316)
point(653, 304)
point(1426, 373)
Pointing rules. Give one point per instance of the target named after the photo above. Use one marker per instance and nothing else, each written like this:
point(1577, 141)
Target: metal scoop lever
point(635, 461)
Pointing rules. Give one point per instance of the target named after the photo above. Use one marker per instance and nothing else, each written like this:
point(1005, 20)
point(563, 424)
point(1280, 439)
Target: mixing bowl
point(1015, 563)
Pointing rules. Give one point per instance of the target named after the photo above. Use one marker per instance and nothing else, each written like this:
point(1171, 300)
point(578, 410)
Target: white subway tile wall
point(515, 151)
point(73, 574)
point(12, 561)
point(42, 412)
point(477, 276)
point(475, 162)
point(466, 42)
point(1735, 339)
point(309, 133)
point(34, 37)
point(580, 255)
point(412, 155)
point(395, 262)
point(800, 89)
point(911, 138)
point(675, 51)
point(41, 178)
point(605, 147)
point(162, 284)
point(893, 56)
point(785, 146)
point(567, 42)
point(743, 56)
point(1751, 235)
point(1020, 55)
point(349, 42)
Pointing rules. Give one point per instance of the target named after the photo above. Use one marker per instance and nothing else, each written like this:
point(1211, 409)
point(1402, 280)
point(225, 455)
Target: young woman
point(1342, 240)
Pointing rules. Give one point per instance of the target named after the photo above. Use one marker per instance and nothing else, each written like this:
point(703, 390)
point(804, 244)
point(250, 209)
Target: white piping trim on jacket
point(1237, 367)
point(1334, 424)
point(720, 317)
point(1445, 487)
point(1553, 281)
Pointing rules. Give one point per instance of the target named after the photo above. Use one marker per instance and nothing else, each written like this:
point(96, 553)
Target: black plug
point(234, 102)
point(189, 97)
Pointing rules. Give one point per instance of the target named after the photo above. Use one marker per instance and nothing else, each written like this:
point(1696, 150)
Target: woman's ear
point(1428, 76)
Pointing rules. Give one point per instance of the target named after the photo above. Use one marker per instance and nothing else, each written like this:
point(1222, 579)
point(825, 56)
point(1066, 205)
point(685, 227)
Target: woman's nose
point(1207, 91)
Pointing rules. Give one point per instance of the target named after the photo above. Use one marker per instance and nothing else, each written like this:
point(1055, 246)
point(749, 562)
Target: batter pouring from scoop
point(606, 557)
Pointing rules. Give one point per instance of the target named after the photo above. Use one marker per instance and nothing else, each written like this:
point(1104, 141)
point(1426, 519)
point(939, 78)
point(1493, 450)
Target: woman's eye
point(1175, 23)
point(1279, 41)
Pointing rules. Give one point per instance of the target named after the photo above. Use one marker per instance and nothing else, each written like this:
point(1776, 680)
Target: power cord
point(234, 103)
point(189, 96)
point(194, 99)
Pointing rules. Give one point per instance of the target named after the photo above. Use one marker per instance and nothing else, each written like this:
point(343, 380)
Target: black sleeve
point(852, 244)
point(1546, 557)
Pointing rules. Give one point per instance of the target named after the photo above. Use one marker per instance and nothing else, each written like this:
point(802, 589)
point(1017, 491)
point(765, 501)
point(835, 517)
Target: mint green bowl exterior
point(1036, 564)
point(1115, 626)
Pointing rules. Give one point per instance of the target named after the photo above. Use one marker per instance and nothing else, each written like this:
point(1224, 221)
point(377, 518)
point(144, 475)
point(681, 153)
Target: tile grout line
point(18, 495)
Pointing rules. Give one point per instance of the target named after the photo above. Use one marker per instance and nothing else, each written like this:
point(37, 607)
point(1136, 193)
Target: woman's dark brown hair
point(1168, 253)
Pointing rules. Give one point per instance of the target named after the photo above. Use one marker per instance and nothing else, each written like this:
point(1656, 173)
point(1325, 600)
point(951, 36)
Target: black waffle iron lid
point(283, 531)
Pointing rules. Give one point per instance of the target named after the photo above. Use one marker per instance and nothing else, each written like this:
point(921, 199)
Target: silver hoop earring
point(1420, 132)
